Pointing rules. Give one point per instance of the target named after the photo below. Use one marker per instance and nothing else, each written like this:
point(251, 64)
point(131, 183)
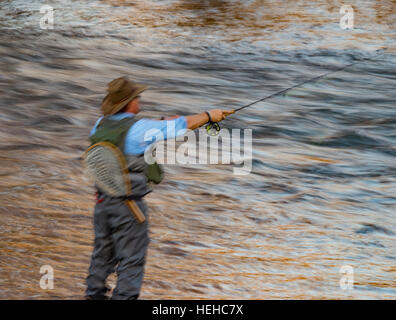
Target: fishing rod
point(215, 125)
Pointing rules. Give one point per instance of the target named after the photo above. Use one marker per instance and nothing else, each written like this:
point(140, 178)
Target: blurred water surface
point(322, 190)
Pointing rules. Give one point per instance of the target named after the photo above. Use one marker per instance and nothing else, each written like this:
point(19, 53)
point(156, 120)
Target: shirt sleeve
point(95, 126)
point(147, 131)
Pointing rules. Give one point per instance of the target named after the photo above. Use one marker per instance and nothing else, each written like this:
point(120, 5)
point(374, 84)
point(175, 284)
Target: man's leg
point(102, 259)
point(130, 240)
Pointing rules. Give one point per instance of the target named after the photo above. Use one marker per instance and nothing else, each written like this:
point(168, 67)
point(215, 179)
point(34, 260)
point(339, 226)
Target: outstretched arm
point(198, 120)
point(136, 141)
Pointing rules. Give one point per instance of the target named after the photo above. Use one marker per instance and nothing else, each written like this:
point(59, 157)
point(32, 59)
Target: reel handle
point(212, 128)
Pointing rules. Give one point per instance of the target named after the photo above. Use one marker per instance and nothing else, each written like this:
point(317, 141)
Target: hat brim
point(114, 108)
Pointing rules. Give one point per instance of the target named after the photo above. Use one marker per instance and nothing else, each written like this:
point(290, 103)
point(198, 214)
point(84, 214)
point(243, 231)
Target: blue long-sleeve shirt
point(145, 132)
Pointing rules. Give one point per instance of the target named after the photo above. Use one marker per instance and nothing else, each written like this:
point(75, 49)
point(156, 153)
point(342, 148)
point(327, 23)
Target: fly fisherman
point(120, 240)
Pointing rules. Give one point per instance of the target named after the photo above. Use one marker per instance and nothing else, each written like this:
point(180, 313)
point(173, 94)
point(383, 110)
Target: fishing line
point(213, 128)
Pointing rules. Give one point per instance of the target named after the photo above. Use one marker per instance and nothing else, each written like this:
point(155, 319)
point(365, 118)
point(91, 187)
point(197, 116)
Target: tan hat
point(121, 91)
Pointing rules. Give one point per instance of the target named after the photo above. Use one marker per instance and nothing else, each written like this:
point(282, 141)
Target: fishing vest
point(114, 131)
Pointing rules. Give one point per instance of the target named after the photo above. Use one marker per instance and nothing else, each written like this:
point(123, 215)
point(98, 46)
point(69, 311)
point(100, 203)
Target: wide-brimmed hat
point(121, 91)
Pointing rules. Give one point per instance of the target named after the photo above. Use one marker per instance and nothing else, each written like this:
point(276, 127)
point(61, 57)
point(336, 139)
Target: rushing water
point(321, 194)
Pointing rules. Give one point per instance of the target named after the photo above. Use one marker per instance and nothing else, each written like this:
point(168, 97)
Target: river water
point(321, 194)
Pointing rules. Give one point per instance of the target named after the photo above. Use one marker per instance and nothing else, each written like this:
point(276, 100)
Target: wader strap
point(131, 205)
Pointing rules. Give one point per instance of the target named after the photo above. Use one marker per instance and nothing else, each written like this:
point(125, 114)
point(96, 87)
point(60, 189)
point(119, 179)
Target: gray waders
point(120, 245)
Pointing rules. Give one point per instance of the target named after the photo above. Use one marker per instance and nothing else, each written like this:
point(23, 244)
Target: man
point(120, 240)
